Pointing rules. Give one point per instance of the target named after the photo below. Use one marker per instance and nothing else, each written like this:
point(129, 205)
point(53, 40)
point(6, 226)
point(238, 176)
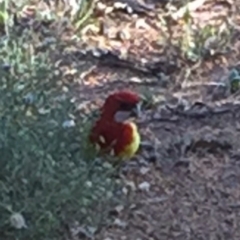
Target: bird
point(115, 132)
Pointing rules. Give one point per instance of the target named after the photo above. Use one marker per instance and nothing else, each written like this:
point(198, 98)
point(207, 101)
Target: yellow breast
point(130, 150)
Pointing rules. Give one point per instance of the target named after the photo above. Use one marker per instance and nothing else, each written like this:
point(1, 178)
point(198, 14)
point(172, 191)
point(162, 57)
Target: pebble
point(145, 186)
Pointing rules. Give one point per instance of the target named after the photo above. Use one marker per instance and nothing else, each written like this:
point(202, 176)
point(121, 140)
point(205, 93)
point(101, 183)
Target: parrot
point(115, 132)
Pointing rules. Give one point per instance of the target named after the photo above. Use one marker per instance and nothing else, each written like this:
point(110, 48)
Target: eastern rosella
point(114, 132)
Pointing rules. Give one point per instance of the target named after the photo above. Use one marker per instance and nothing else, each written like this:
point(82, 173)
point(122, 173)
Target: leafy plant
point(234, 78)
point(46, 178)
point(83, 13)
point(202, 42)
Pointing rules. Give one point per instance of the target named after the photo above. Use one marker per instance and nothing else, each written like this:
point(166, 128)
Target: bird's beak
point(137, 111)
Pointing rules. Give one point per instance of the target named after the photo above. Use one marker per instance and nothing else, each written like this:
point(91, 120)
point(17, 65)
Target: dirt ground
point(184, 184)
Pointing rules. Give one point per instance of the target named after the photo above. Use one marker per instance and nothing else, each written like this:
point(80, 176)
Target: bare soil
point(184, 184)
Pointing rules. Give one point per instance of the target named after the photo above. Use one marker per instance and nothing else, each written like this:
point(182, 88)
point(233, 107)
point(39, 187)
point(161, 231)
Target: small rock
point(141, 23)
point(68, 123)
point(65, 89)
point(131, 185)
point(115, 212)
point(92, 230)
point(143, 162)
point(119, 208)
point(119, 223)
point(129, 10)
point(89, 184)
point(17, 221)
point(101, 6)
point(20, 87)
point(96, 53)
point(29, 98)
point(133, 206)
point(135, 80)
point(145, 186)
point(144, 170)
point(119, 5)
point(109, 10)
point(123, 53)
point(107, 165)
point(125, 191)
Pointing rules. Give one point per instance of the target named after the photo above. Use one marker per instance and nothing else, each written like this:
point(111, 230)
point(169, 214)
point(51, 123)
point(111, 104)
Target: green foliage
point(147, 97)
point(234, 78)
point(45, 173)
point(200, 42)
point(3, 12)
point(4, 16)
point(83, 13)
